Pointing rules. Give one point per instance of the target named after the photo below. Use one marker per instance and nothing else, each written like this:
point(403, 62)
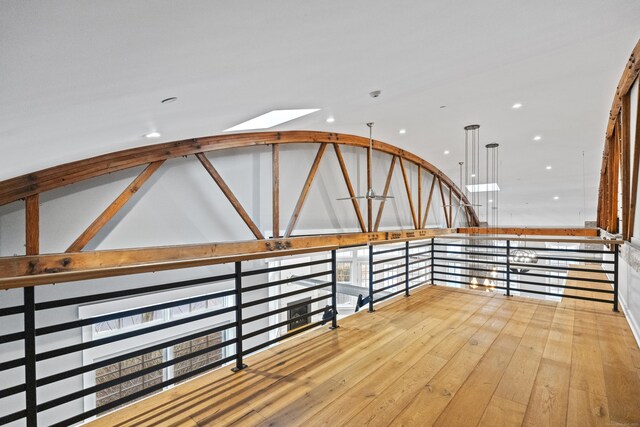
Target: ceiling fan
point(371, 195)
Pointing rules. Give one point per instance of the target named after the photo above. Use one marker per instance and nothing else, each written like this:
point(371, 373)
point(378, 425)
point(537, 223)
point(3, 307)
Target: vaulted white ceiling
point(82, 78)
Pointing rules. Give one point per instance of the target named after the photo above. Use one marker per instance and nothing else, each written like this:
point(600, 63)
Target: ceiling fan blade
point(383, 198)
point(352, 198)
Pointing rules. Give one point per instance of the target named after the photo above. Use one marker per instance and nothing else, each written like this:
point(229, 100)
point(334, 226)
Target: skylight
point(271, 119)
point(480, 188)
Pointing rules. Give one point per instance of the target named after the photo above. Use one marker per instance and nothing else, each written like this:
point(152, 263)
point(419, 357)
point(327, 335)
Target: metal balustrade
point(394, 268)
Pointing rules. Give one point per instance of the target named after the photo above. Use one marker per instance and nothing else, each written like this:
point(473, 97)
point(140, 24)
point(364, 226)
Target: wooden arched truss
point(77, 264)
point(618, 166)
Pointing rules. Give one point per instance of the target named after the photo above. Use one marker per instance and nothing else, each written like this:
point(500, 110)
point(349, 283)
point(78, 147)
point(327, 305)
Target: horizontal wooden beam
point(33, 270)
point(532, 231)
point(59, 176)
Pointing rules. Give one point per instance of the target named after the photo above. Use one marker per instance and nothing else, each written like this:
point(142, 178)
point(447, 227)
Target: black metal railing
point(239, 321)
point(494, 264)
point(394, 268)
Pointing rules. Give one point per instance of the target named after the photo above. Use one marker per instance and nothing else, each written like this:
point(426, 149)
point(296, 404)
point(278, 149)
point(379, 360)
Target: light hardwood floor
point(443, 357)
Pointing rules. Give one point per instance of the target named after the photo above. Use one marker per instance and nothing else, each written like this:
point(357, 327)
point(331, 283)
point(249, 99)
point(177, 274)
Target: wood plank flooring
point(444, 356)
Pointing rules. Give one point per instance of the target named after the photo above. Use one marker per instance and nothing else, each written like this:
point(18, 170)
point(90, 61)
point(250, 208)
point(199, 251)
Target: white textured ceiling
point(81, 78)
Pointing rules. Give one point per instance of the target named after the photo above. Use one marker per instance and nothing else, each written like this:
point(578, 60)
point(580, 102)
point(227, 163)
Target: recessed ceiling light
point(490, 200)
point(537, 138)
point(330, 120)
point(403, 131)
point(153, 135)
point(548, 168)
point(446, 151)
point(480, 188)
point(473, 175)
point(516, 105)
point(169, 100)
point(555, 197)
point(271, 119)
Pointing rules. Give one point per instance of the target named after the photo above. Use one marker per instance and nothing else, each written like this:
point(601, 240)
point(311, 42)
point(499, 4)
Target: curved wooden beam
point(59, 176)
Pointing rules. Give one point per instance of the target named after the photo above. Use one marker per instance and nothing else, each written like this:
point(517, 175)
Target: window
point(126, 367)
point(364, 274)
point(136, 364)
point(343, 272)
point(192, 346)
point(128, 321)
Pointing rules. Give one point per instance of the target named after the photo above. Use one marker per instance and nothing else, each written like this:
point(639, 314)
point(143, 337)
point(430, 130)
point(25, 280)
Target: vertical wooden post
point(275, 184)
point(32, 213)
point(419, 196)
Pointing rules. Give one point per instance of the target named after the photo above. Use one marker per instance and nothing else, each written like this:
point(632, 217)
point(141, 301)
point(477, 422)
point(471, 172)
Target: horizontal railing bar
point(380, 261)
point(45, 305)
point(577, 279)
point(12, 390)
point(98, 387)
point(284, 267)
point(284, 281)
point(418, 277)
point(96, 365)
point(471, 253)
point(564, 296)
point(386, 251)
point(375, 291)
point(419, 284)
point(426, 267)
point(595, 241)
point(417, 261)
point(14, 336)
point(470, 261)
point(577, 288)
point(428, 243)
point(120, 314)
point(6, 419)
point(393, 294)
point(585, 260)
point(95, 343)
point(287, 294)
point(282, 337)
point(143, 392)
point(555, 267)
point(469, 246)
point(283, 309)
point(388, 278)
point(467, 275)
point(467, 284)
point(280, 324)
point(462, 267)
point(10, 364)
point(395, 267)
point(415, 254)
point(9, 311)
point(582, 251)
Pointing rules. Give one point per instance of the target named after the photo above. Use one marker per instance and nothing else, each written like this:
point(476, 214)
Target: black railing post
point(30, 356)
point(238, 279)
point(334, 289)
point(406, 269)
point(508, 268)
point(371, 279)
point(615, 276)
point(433, 253)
